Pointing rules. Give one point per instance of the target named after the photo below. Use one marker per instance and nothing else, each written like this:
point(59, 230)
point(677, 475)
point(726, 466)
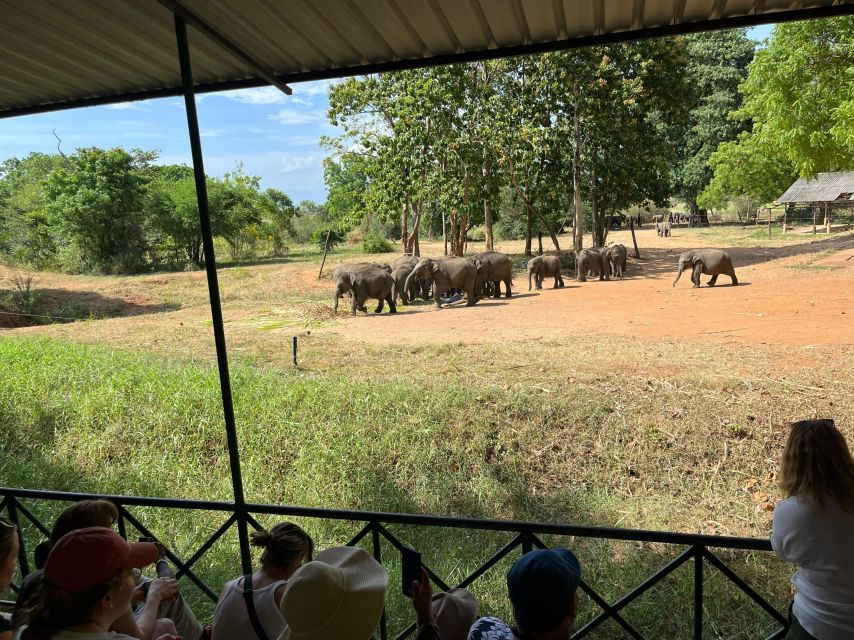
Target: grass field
point(593, 427)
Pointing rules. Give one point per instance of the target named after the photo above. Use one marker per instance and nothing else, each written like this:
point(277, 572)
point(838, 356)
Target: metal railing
point(526, 536)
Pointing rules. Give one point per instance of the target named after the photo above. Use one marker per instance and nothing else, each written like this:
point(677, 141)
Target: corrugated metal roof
point(825, 187)
point(62, 53)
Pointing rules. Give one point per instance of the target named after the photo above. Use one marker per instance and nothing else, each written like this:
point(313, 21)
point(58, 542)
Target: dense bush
point(376, 243)
point(319, 237)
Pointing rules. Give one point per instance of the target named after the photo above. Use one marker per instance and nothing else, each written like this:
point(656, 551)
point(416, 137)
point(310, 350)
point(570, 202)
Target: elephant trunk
point(678, 274)
point(408, 283)
point(529, 278)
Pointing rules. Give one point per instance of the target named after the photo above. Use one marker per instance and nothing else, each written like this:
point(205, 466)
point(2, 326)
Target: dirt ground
point(783, 297)
point(798, 294)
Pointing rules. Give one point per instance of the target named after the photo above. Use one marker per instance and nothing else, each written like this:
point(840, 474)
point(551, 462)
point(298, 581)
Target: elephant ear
point(695, 260)
point(434, 266)
point(353, 279)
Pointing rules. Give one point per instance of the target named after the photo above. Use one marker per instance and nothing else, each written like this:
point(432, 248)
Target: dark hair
point(282, 544)
point(86, 513)
point(8, 532)
point(55, 610)
point(817, 464)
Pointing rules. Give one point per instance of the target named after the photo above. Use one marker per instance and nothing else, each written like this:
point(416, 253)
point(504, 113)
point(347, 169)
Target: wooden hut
point(825, 194)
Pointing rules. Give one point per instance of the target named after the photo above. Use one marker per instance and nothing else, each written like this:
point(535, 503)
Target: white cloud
point(314, 88)
point(126, 106)
point(291, 164)
point(213, 133)
point(259, 95)
point(296, 116)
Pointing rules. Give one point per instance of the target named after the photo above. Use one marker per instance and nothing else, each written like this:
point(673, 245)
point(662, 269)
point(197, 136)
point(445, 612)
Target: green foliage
point(326, 235)
point(374, 242)
point(799, 91)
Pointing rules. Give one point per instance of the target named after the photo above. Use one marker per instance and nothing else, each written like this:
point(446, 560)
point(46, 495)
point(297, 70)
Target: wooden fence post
point(814, 207)
point(769, 221)
point(785, 219)
point(325, 251)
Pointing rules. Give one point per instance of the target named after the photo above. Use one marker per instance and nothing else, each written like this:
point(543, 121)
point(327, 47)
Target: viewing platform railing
point(695, 549)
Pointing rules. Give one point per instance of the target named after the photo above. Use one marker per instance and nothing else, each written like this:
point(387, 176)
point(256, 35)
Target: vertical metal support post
point(375, 539)
point(295, 352)
point(698, 593)
point(527, 542)
point(23, 563)
point(122, 526)
point(213, 290)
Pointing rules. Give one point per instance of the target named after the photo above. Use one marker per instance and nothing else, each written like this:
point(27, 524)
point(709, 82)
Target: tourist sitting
point(249, 605)
point(154, 600)
point(9, 545)
point(542, 586)
point(445, 616)
point(87, 586)
point(338, 596)
point(814, 529)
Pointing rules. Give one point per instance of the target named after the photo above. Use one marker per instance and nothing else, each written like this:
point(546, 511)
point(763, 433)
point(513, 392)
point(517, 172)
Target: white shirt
point(231, 619)
point(821, 543)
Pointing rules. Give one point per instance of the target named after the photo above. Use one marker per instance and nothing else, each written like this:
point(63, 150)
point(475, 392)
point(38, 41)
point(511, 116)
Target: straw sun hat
point(338, 595)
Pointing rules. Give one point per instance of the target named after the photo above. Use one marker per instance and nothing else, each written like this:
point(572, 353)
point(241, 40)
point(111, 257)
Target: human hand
point(422, 597)
point(163, 590)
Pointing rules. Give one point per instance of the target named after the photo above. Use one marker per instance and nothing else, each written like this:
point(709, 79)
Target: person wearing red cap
point(88, 585)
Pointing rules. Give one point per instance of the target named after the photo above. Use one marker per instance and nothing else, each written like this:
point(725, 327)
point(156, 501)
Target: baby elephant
point(542, 267)
point(712, 262)
point(591, 260)
point(364, 280)
point(617, 259)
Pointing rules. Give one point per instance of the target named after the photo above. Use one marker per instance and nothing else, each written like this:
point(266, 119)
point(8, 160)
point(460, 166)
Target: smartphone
point(160, 548)
point(410, 561)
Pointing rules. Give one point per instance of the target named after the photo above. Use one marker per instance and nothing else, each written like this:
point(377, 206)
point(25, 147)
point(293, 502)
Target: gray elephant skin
point(711, 262)
point(445, 274)
point(364, 280)
point(542, 267)
point(400, 270)
point(592, 259)
point(493, 267)
point(617, 259)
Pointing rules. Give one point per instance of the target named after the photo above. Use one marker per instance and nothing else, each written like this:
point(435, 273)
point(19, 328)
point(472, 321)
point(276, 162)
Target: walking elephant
point(617, 259)
point(493, 267)
point(711, 262)
point(364, 280)
point(445, 274)
point(592, 259)
point(542, 267)
point(400, 270)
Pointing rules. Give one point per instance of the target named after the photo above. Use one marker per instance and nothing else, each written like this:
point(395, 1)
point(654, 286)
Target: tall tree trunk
point(412, 247)
point(452, 220)
point(539, 243)
point(529, 228)
point(694, 216)
point(444, 235)
point(595, 215)
point(404, 223)
point(578, 229)
point(487, 203)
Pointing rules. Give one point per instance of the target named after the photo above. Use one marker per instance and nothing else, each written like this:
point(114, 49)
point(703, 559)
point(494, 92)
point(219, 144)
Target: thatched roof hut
point(836, 187)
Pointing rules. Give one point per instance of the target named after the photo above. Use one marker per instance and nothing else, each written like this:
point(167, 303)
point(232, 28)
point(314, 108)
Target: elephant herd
point(411, 277)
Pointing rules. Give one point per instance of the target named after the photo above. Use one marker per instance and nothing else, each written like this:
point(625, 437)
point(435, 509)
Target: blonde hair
point(282, 544)
point(817, 464)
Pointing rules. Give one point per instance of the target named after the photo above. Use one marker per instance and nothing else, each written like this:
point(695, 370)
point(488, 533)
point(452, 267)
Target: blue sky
point(275, 136)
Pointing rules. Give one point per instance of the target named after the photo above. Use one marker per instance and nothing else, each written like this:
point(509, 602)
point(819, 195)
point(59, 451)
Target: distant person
point(286, 547)
point(542, 586)
point(9, 545)
point(814, 529)
point(88, 585)
point(444, 616)
point(155, 600)
point(338, 596)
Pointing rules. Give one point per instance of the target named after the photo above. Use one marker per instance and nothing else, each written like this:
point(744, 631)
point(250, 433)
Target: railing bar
point(32, 518)
point(526, 542)
point(362, 533)
point(639, 535)
point(698, 593)
point(175, 559)
point(123, 532)
point(23, 563)
point(388, 535)
point(255, 524)
point(538, 543)
point(406, 632)
point(375, 539)
point(778, 634)
point(207, 545)
point(607, 612)
point(610, 610)
point(496, 557)
point(746, 588)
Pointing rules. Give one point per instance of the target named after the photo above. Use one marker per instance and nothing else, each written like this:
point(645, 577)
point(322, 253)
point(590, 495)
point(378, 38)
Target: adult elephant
point(711, 262)
point(446, 274)
point(542, 267)
point(493, 267)
point(364, 280)
point(617, 259)
point(400, 270)
point(592, 259)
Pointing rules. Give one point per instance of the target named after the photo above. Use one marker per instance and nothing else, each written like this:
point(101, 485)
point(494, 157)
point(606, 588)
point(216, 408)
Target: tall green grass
point(84, 418)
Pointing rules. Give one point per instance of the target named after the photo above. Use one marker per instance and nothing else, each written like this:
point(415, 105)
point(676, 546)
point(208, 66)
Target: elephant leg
point(379, 308)
point(713, 280)
point(508, 292)
point(695, 274)
point(540, 278)
point(734, 279)
point(392, 307)
point(471, 299)
point(353, 305)
point(496, 289)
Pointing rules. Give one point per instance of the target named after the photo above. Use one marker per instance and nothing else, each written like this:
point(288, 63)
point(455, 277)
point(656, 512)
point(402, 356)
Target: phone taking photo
point(410, 561)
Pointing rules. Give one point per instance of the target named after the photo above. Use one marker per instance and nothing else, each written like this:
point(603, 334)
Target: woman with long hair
point(814, 529)
point(250, 604)
point(88, 585)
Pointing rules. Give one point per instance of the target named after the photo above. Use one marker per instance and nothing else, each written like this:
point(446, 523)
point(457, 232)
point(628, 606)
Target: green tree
point(716, 66)
point(799, 91)
point(96, 202)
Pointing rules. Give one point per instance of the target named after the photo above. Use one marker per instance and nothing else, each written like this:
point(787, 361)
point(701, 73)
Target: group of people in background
point(89, 585)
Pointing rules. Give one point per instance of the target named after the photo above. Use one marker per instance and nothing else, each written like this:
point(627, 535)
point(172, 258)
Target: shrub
point(476, 234)
point(376, 243)
point(318, 237)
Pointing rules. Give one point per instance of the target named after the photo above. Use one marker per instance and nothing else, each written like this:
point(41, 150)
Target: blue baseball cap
point(541, 585)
